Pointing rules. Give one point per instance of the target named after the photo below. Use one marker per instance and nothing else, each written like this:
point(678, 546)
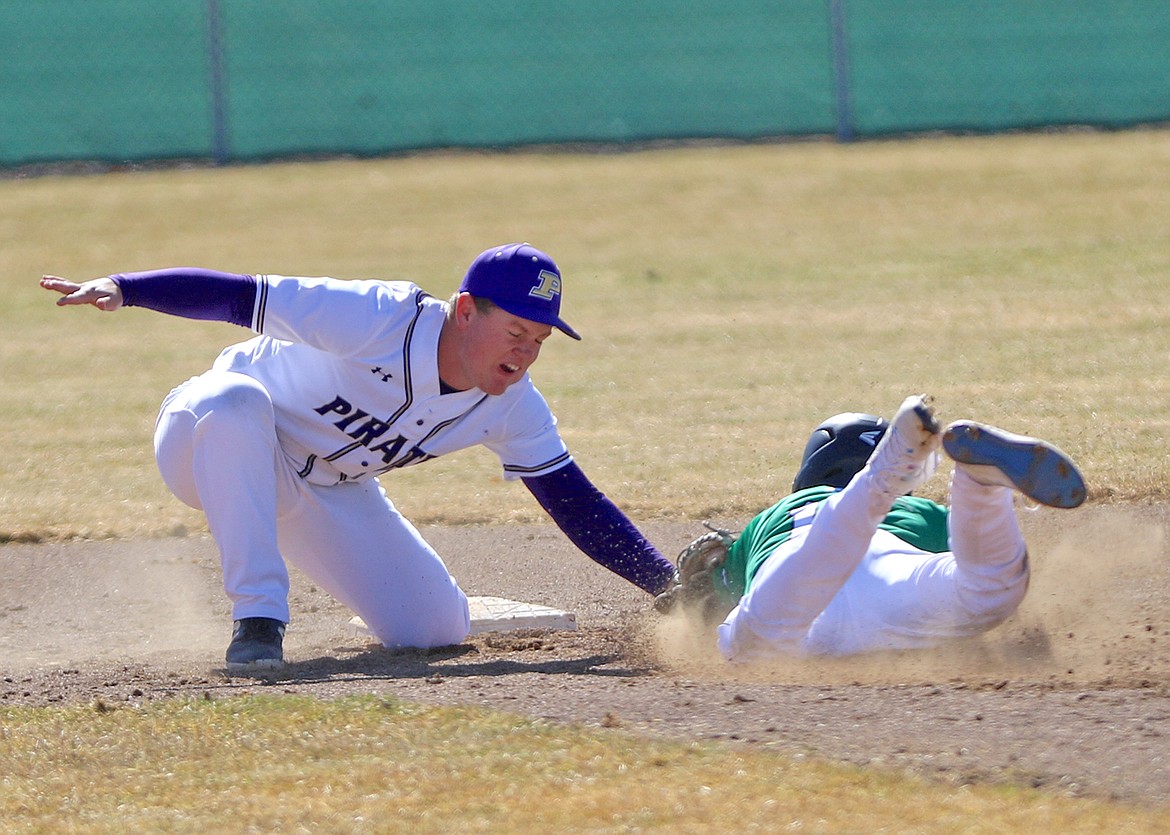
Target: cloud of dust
point(127, 602)
point(1098, 596)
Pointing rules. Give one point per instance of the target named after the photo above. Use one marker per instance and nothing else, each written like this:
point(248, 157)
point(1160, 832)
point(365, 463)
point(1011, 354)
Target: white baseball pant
point(217, 448)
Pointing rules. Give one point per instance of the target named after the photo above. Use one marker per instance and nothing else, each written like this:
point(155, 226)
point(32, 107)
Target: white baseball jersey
point(352, 370)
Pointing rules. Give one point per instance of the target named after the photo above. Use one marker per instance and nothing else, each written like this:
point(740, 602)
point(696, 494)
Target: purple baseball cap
point(522, 280)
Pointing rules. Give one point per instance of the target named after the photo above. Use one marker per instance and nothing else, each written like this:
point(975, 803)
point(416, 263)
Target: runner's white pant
point(840, 586)
point(217, 449)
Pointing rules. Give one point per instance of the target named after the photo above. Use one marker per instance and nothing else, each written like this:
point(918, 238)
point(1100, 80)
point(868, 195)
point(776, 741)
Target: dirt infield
point(1072, 695)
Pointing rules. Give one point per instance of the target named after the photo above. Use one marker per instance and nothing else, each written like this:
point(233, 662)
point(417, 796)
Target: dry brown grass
point(730, 299)
point(294, 764)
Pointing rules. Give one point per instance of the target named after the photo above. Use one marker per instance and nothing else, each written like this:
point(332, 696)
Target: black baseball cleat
point(257, 644)
point(1036, 468)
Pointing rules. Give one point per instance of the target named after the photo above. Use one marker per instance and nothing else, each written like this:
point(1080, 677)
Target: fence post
point(841, 71)
point(217, 82)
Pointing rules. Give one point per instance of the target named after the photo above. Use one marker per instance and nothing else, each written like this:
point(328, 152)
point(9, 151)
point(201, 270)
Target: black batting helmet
point(838, 449)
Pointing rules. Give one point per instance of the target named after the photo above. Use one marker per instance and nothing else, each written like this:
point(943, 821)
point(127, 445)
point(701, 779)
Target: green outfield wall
point(135, 80)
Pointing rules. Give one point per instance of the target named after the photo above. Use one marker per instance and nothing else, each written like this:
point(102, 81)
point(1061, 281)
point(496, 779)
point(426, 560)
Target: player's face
point(499, 348)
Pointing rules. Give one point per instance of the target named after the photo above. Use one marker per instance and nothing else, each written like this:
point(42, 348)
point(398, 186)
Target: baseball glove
point(694, 591)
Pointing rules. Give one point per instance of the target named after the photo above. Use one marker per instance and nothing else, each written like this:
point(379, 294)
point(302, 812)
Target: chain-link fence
point(132, 80)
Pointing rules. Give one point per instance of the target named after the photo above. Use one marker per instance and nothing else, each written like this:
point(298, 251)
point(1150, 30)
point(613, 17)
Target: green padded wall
point(408, 75)
point(132, 80)
point(1007, 64)
point(109, 79)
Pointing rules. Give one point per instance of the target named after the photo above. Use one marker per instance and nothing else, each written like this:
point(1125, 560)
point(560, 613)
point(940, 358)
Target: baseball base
point(497, 614)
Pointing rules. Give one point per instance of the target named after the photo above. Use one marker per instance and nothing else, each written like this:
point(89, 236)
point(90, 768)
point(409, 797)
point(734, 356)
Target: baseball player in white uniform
point(850, 563)
point(282, 441)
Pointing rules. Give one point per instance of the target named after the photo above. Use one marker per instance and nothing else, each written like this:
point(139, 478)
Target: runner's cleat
point(907, 454)
point(1035, 468)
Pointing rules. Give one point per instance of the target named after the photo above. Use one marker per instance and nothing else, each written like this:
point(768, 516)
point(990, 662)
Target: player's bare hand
point(102, 293)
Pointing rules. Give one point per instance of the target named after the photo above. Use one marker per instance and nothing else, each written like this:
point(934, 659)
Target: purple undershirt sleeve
point(191, 293)
point(595, 525)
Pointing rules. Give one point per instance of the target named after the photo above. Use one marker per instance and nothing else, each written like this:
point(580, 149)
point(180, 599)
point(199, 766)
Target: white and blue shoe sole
point(1037, 469)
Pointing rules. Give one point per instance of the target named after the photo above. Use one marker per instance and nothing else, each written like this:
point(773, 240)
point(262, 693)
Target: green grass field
point(730, 299)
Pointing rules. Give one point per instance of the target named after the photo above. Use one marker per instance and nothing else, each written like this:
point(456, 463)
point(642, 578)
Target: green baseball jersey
point(919, 522)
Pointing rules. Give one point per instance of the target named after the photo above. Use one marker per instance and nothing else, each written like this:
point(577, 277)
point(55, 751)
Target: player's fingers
point(81, 295)
point(71, 292)
point(102, 293)
point(54, 282)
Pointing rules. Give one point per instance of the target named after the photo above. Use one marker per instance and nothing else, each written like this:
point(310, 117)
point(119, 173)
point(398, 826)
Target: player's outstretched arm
point(595, 525)
point(190, 292)
point(102, 293)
